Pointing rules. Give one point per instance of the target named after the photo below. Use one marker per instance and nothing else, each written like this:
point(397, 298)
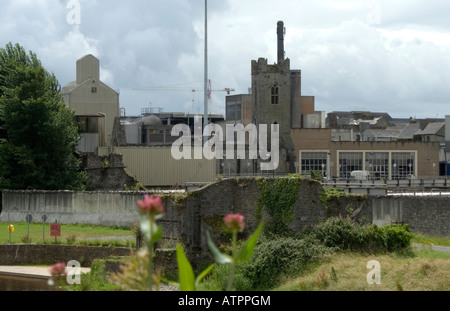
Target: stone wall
point(68, 207)
point(204, 209)
point(106, 172)
point(188, 219)
point(19, 254)
point(428, 214)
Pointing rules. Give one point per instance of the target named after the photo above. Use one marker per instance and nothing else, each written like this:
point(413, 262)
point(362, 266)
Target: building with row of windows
point(343, 145)
point(340, 145)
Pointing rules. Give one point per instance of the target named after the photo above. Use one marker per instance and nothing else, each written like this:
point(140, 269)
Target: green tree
point(38, 136)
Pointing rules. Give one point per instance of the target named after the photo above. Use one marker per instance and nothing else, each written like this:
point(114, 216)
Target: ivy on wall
point(277, 197)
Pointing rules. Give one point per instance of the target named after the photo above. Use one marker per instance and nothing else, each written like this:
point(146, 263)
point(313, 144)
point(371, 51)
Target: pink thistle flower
point(57, 270)
point(150, 205)
point(234, 222)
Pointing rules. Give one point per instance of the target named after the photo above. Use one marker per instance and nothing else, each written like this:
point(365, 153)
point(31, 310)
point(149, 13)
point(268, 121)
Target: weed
point(333, 275)
point(71, 238)
point(24, 239)
point(321, 280)
point(399, 286)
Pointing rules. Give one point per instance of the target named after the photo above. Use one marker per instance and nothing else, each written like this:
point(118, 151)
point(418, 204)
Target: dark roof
point(409, 131)
point(431, 128)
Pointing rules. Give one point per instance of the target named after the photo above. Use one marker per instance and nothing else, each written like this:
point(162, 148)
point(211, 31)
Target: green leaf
point(202, 275)
point(185, 272)
point(157, 233)
point(221, 259)
point(247, 249)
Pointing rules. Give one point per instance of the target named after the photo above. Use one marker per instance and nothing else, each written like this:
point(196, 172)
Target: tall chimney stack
point(281, 32)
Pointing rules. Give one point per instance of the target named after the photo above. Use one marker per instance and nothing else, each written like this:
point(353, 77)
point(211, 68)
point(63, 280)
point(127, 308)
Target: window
point(349, 162)
point(94, 89)
point(313, 161)
point(402, 165)
point(275, 94)
point(377, 163)
point(233, 110)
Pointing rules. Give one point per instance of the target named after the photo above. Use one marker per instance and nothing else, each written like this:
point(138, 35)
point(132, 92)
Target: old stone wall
point(19, 254)
point(107, 172)
point(206, 208)
point(189, 219)
point(428, 214)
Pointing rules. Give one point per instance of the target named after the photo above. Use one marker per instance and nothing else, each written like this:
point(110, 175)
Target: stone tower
point(272, 100)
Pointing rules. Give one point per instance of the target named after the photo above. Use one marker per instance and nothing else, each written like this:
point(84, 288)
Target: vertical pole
point(205, 116)
point(9, 227)
point(328, 166)
point(28, 237)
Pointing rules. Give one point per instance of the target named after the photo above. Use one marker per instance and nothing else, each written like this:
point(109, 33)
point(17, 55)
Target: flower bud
point(234, 222)
point(150, 205)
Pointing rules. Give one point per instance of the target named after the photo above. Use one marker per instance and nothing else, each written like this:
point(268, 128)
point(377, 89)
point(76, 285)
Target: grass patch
point(333, 255)
point(96, 280)
point(70, 234)
point(347, 272)
point(430, 240)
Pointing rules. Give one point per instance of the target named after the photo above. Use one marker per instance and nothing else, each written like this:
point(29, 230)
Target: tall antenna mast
point(205, 117)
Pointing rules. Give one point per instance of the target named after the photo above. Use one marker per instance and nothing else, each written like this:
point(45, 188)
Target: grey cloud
point(346, 61)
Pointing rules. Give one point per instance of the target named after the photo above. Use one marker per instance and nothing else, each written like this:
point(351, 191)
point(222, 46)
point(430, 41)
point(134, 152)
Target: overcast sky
point(373, 55)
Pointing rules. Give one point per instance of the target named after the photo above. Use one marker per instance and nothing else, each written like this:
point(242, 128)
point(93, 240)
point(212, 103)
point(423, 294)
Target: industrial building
point(337, 145)
point(96, 105)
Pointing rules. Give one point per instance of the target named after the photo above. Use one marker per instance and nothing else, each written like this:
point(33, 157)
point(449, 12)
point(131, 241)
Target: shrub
point(345, 234)
point(341, 233)
point(396, 237)
point(280, 257)
point(218, 278)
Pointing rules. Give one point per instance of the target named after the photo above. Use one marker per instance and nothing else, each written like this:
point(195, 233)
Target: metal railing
point(402, 183)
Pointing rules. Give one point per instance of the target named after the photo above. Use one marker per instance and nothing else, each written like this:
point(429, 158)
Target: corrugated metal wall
point(155, 166)
point(89, 142)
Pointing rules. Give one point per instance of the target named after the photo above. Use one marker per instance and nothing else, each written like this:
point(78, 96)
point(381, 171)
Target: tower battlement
point(262, 66)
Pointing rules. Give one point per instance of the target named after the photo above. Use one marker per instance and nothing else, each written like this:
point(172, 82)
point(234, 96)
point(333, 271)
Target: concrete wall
point(67, 207)
point(428, 214)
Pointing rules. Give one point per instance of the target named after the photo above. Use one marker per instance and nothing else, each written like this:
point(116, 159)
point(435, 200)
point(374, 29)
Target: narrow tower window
point(275, 95)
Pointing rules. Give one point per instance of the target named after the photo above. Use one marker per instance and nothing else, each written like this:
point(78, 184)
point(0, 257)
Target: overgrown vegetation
point(277, 198)
point(400, 271)
point(345, 234)
point(277, 257)
point(97, 279)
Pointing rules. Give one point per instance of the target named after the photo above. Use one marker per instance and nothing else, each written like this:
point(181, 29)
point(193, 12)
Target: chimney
point(281, 31)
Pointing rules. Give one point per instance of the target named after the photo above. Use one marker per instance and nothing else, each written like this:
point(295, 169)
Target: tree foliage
point(37, 131)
